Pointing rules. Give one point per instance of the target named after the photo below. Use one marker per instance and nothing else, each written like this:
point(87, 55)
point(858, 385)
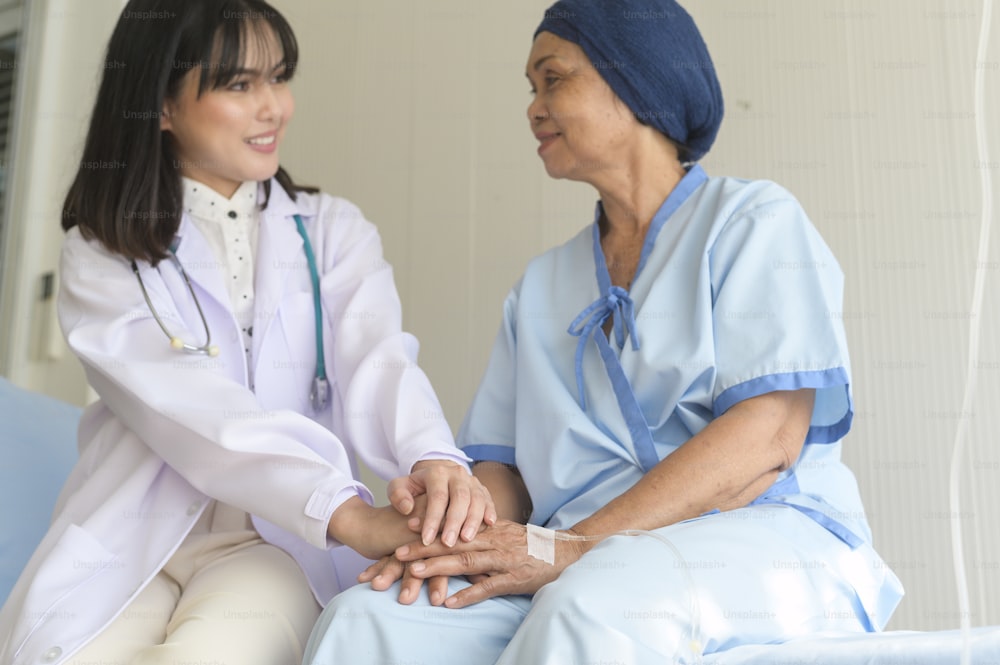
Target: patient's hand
point(496, 562)
point(457, 503)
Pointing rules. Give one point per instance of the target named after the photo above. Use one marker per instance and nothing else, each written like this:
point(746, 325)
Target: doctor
point(243, 334)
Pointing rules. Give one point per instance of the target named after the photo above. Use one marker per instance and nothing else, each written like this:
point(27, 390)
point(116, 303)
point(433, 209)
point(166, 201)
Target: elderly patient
point(676, 368)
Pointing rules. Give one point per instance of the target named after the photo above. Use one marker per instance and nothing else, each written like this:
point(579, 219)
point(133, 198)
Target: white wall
point(419, 117)
point(416, 112)
point(57, 77)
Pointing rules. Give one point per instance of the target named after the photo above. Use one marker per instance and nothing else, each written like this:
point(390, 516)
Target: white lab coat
point(173, 430)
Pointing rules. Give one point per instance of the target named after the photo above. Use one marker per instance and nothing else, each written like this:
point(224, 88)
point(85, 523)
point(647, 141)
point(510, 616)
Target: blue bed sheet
point(37, 451)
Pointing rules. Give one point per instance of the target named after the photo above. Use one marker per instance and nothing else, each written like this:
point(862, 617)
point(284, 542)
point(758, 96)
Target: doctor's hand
point(496, 562)
point(457, 503)
point(371, 532)
point(383, 573)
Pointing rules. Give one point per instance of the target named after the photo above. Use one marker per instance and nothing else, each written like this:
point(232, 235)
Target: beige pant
point(225, 598)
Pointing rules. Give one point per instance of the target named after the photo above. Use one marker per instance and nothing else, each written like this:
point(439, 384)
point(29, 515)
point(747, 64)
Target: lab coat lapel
point(279, 253)
point(200, 264)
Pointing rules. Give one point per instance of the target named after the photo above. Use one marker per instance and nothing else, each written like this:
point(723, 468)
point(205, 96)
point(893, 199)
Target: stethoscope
point(320, 393)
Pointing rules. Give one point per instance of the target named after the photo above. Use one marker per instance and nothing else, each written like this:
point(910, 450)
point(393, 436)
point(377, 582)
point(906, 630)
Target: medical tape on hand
point(542, 543)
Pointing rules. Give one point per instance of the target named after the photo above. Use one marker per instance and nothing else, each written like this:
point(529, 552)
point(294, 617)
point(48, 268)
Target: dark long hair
point(127, 192)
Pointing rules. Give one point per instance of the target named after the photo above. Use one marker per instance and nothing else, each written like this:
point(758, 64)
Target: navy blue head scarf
point(652, 55)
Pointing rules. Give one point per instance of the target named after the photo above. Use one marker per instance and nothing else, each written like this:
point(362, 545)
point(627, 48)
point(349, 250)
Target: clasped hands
point(495, 561)
point(439, 499)
point(460, 534)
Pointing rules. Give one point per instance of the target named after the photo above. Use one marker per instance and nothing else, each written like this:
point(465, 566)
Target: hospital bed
point(38, 449)
point(900, 647)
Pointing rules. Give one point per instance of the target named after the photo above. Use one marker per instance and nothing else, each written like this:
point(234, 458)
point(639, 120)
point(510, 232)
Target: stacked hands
point(460, 535)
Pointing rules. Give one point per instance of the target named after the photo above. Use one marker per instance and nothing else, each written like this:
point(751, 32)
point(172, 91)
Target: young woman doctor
point(243, 334)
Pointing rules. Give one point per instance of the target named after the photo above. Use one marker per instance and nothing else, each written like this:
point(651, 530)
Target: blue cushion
point(37, 451)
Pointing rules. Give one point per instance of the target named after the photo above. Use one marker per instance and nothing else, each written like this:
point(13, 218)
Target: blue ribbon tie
point(616, 304)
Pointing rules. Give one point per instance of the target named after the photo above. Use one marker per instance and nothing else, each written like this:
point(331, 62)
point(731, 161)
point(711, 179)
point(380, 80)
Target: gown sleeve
point(777, 292)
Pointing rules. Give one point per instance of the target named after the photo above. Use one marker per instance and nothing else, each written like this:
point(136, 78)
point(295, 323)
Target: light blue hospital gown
point(736, 295)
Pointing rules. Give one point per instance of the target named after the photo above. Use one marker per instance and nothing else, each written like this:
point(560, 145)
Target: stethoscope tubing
point(320, 388)
point(176, 342)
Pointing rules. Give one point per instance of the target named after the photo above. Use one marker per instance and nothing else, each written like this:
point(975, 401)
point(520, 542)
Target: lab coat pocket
point(76, 559)
point(292, 360)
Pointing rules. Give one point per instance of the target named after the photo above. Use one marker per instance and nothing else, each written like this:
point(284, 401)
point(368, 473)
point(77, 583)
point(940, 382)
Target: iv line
point(975, 324)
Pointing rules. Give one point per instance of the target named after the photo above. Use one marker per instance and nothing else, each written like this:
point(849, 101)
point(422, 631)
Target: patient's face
point(584, 130)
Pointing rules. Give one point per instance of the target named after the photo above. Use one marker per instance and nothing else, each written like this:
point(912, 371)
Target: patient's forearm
point(510, 496)
point(726, 466)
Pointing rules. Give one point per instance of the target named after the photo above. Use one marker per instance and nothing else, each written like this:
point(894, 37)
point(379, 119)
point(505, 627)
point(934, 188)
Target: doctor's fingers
point(401, 493)
point(429, 482)
point(383, 572)
point(437, 589)
point(482, 512)
point(408, 494)
point(456, 497)
point(445, 498)
point(469, 507)
point(409, 587)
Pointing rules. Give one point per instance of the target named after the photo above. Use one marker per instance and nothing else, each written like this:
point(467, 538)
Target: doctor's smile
point(264, 143)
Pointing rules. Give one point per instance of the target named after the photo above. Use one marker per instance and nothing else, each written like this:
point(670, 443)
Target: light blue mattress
point(37, 451)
